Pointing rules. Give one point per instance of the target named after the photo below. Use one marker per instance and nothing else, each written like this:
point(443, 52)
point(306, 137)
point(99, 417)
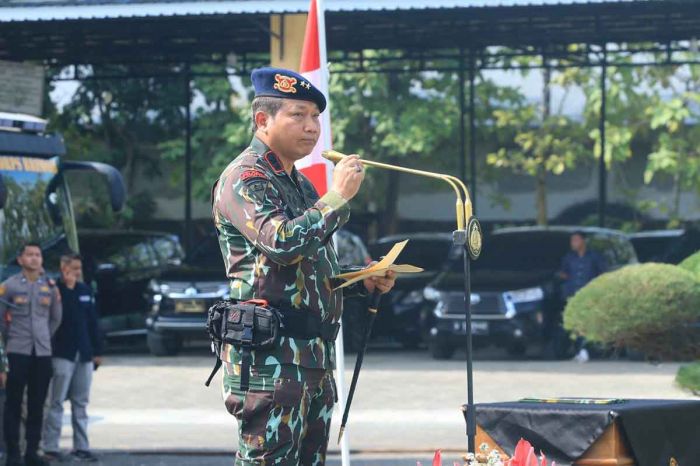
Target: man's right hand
point(347, 178)
point(3, 379)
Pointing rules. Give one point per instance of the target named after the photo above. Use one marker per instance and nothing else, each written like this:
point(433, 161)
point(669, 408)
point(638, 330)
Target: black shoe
point(54, 456)
point(84, 456)
point(14, 460)
point(34, 458)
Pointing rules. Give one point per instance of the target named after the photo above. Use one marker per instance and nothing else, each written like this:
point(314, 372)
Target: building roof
point(61, 10)
point(90, 31)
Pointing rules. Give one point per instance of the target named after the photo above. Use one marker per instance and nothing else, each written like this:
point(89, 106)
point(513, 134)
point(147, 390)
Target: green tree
point(676, 152)
point(542, 141)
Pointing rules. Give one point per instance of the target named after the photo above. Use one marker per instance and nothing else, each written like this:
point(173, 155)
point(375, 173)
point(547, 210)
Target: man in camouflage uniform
point(275, 237)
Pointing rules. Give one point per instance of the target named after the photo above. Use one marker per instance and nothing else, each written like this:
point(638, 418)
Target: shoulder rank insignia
point(249, 176)
point(285, 83)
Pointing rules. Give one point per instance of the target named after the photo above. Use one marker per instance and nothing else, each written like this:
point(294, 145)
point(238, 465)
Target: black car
point(516, 296)
point(666, 246)
point(120, 265)
point(400, 317)
point(181, 296)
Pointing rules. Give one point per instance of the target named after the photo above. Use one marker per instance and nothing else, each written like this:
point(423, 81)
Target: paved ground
point(204, 459)
point(406, 403)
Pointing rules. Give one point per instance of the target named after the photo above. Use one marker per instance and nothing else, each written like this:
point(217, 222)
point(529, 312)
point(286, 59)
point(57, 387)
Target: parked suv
point(181, 296)
point(667, 246)
point(516, 296)
point(121, 265)
point(400, 317)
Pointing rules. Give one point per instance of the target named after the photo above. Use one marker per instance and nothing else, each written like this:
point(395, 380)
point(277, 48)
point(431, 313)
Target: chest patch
point(250, 176)
point(84, 298)
point(20, 299)
point(45, 300)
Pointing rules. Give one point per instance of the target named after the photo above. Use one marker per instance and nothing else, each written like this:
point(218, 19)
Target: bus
point(35, 201)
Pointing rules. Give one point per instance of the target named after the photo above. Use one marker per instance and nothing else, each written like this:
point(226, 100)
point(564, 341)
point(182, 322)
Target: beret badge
point(285, 83)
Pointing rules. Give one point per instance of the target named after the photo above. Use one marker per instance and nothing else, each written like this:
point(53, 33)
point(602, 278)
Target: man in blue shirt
point(77, 349)
point(578, 267)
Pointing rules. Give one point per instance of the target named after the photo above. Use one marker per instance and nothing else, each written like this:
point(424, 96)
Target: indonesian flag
point(313, 67)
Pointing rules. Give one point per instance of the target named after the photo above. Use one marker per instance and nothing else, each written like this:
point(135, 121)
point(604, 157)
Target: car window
point(653, 248)
point(168, 249)
point(141, 255)
point(520, 252)
point(604, 245)
point(616, 249)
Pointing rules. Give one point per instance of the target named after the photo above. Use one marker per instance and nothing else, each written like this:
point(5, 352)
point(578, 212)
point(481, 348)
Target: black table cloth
point(655, 430)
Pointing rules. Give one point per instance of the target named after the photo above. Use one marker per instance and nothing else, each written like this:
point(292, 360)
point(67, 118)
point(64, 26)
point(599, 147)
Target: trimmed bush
point(692, 264)
point(651, 308)
point(688, 377)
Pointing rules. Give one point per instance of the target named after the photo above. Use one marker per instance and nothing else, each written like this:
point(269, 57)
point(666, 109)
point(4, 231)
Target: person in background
point(30, 312)
point(578, 267)
point(77, 352)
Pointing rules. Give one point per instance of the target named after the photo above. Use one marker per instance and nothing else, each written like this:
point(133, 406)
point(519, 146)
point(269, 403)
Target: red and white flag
point(313, 67)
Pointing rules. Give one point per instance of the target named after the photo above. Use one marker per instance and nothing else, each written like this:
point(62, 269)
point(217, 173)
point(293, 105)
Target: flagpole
point(327, 144)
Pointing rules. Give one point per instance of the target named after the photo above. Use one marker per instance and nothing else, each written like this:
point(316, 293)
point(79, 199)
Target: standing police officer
point(30, 312)
point(275, 237)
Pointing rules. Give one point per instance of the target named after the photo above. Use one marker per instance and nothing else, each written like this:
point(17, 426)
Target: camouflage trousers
point(285, 416)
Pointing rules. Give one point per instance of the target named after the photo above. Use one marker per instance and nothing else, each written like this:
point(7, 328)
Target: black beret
point(278, 82)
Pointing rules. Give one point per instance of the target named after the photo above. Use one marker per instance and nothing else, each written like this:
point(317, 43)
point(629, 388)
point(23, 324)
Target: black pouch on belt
point(249, 325)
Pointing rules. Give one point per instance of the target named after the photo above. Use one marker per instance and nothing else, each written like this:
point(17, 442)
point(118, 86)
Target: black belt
point(302, 324)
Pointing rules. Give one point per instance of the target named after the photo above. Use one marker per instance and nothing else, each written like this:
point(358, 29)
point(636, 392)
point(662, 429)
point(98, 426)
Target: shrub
point(692, 264)
point(688, 377)
point(651, 308)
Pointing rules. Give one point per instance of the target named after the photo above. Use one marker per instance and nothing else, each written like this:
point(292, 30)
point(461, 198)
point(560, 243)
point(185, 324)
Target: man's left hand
point(97, 361)
point(383, 284)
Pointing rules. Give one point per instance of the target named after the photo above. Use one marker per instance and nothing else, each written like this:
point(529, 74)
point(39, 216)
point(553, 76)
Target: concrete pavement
point(406, 402)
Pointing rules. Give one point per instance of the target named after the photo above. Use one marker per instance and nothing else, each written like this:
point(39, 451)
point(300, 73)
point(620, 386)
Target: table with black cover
point(654, 430)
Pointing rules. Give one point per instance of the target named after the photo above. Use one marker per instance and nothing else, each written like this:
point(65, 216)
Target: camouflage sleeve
point(256, 208)
point(356, 289)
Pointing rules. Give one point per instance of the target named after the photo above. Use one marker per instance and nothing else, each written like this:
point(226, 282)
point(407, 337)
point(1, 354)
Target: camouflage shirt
point(275, 238)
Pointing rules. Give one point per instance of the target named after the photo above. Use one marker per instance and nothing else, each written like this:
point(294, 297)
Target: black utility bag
point(248, 325)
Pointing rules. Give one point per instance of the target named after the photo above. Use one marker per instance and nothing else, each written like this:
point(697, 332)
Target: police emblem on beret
point(285, 83)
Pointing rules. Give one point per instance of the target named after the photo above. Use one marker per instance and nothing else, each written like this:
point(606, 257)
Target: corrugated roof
point(58, 10)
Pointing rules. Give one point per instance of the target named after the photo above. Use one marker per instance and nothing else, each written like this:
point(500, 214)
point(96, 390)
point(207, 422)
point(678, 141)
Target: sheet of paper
point(380, 268)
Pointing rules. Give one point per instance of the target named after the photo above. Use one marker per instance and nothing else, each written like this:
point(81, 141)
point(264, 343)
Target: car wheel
point(441, 350)
point(516, 349)
point(162, 345)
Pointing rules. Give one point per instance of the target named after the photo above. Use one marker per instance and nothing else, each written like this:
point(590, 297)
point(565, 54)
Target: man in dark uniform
point(275, 237)
point(77, 350)
point(578, 267)
point(30, 313)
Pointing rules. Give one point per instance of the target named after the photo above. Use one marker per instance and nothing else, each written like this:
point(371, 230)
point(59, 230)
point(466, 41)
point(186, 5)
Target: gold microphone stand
point(468, 237)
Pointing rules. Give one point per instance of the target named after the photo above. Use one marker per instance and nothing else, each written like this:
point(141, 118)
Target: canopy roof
point(127, 31)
